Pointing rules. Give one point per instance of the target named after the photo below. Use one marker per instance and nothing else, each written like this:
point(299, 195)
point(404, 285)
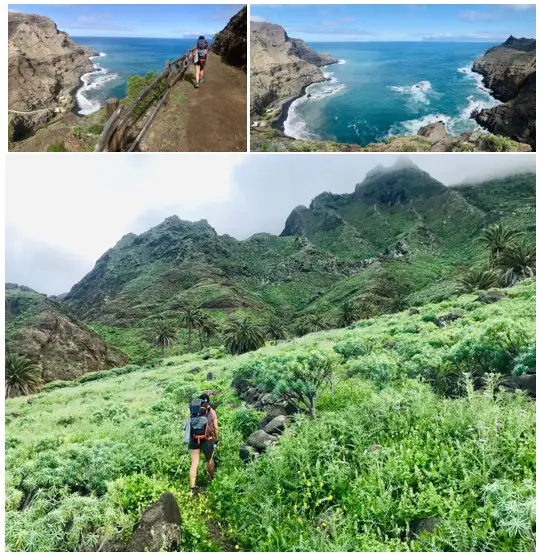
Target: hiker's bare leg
point(197, 72)
point(202, 73)
point(210, 467)
point(194, 466)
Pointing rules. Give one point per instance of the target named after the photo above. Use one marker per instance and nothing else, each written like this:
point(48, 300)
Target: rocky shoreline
point(509, 71)
point(45, 67)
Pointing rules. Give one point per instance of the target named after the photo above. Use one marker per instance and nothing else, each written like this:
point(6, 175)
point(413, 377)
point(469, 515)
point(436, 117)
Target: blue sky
point(400, 22)
point(135, 20)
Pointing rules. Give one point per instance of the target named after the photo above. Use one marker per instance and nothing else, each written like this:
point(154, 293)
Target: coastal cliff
point(509, 71)
point(230, 42)
point(281, 68)
point(44, 70)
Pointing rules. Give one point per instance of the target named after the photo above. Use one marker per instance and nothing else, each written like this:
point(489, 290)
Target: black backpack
point(200, 424)
point(202, 48)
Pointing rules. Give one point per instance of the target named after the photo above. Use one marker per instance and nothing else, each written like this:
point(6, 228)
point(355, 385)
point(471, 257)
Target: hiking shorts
point(206, 446)
point(201, 62)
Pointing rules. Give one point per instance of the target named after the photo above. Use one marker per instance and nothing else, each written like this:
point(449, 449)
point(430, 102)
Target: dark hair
point(201, 37)
point(205, 397)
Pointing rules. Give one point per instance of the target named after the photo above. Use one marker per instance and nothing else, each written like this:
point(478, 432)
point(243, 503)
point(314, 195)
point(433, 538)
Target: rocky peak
point(403, 181)
point(230, 42)
point(523, 44)
point(295, 222)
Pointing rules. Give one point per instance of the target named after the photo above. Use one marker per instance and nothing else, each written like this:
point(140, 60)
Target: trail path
point(37, 111)
point(210, 119)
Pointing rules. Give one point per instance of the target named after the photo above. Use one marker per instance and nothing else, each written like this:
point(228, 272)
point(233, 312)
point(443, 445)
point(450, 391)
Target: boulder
point(491, 296)
point(265, 421)
point(246, 453)
point(423, 524)
point(158, 529)
point(260, 440)
point(523, 382)
point(210, 376)
point(195, 370)
point(435, 131)
point(251, 395)
point(444, 320)
point(276, 426)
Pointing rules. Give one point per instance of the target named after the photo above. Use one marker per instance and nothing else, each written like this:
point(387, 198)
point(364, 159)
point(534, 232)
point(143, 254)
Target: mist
point(61, 218)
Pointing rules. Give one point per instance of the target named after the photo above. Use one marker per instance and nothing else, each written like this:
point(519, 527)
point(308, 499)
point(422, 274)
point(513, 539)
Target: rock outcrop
point(509, 71)
point(157, 530)
point(63, 347)
point(230, 42)
point(281, 68)
point(44, 69)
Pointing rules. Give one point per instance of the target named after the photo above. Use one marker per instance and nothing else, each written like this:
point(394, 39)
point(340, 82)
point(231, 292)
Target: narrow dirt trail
point(209, 119)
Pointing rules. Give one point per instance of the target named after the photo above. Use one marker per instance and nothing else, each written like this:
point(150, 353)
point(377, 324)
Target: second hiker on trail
point(201, 435)
point(200, 57)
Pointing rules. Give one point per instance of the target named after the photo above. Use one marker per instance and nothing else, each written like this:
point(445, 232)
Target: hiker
point(201, 53)
point(201, 435)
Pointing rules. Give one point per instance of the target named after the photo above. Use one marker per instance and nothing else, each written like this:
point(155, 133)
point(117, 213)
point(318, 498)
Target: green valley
point(372, 368)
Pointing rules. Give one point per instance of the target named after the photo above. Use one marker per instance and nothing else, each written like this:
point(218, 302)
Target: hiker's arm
point(216, 429)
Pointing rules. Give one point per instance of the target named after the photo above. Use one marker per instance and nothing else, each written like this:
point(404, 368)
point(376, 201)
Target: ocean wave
point(294, 125)
point(91, 81)
point(477, 77)
point(416, 94)
point(411, 127)
point(340, 62)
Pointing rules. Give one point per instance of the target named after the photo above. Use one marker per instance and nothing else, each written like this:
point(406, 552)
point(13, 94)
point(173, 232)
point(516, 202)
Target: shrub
point(57, 148)
point(381, 368)
point(355, 347)
point(525, 360)
point(23, 377)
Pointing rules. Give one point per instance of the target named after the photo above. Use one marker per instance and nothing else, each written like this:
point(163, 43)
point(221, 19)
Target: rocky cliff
point(230, 42)
point(509, 71)
point(44, 69)
point(281, 67)
point(61, 345)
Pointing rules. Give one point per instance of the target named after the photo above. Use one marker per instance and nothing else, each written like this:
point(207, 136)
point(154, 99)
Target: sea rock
point(281, 67)
point(44, 69)
point(260, 440)
point(158, 529)
point(509, 71)
point(491, 296)
point(276, 426)
point(230, 42)
point(435, 131)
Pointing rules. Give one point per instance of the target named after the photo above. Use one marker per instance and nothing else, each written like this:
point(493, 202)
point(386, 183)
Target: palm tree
point(478, 279)
point(23, 377)
point(163, 333)
point(275, 329)
point(497, 238)
point(517, 262)
point(191, 318)
point(315, 322)
point(207, 329)
point(242, 335)
point(349, 313)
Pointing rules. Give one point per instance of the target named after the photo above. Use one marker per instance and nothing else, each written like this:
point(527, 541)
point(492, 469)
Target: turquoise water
point(382, 89)
point(121, 58)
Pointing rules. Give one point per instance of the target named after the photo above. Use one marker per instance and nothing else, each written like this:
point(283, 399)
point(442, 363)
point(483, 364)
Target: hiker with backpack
point(201, 53)
point(201, 435)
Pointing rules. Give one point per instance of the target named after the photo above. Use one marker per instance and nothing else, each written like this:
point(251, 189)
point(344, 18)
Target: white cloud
point(257, 18)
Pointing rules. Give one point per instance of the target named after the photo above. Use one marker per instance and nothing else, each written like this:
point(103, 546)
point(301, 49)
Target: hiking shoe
point(201, 82)
point(197, 85)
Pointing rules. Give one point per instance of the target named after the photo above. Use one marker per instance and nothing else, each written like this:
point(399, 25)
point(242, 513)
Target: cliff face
point(280, 67)
point(509, 71)
point(230, 43)
point(62, 346)
point(44, 68)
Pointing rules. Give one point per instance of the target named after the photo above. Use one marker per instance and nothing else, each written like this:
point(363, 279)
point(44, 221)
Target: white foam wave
point(417, 93)
point(340, 62)
point(91, 81)
point(411, 127)
point(294, 125)
point(477, 77)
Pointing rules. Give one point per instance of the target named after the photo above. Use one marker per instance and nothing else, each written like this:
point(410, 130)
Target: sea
point(380, 89)
point(120, 58)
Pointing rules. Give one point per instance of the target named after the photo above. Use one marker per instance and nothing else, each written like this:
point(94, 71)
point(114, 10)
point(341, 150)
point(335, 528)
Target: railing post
point(168, 66)
point(111, 104)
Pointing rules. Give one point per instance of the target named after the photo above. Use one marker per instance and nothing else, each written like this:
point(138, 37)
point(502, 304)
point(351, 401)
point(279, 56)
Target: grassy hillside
point(397, 441)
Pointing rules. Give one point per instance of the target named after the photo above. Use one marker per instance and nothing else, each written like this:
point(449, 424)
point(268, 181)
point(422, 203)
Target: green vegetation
point(242, 335)
point(135, 86)
point(399, 437)
point(22, 376)
point(57, 148)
